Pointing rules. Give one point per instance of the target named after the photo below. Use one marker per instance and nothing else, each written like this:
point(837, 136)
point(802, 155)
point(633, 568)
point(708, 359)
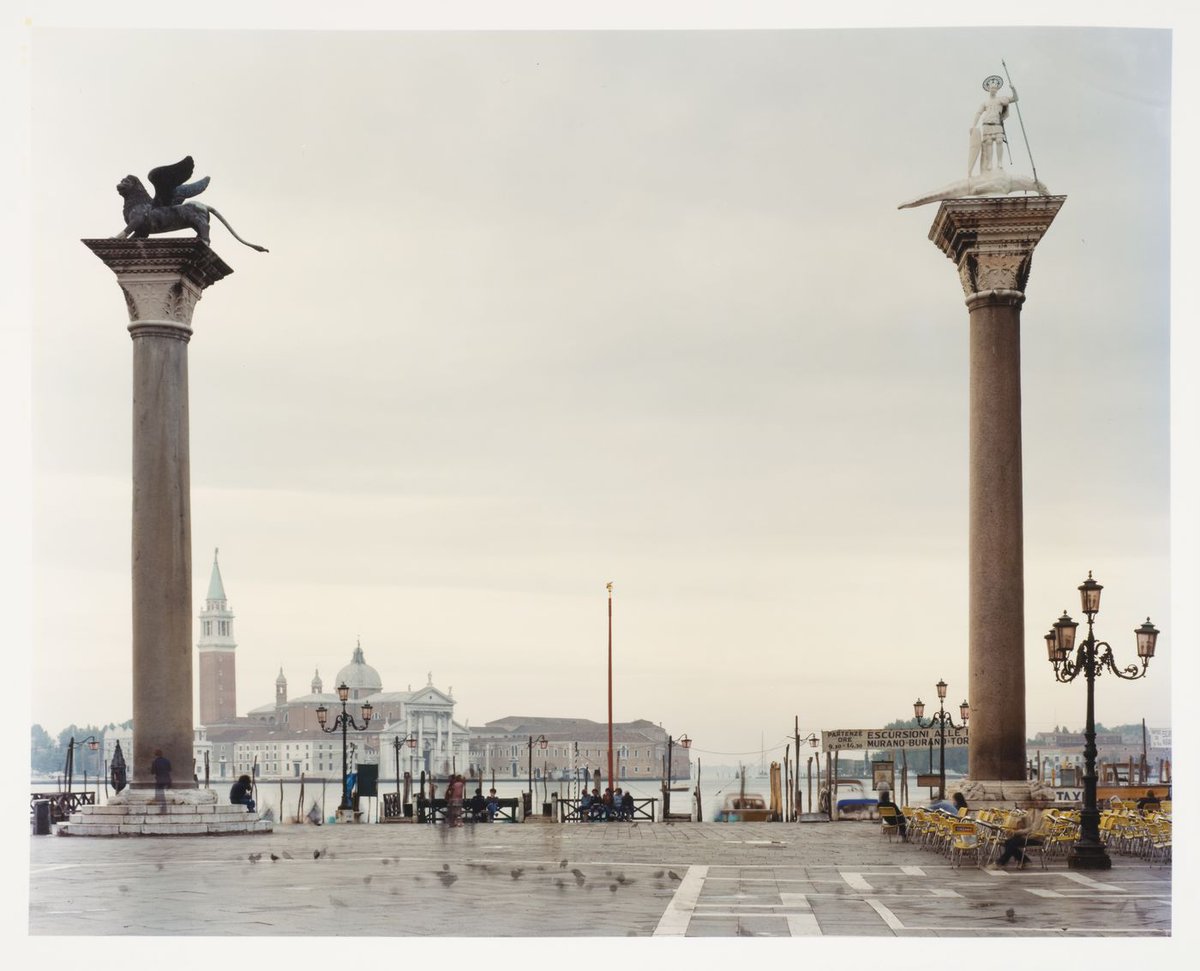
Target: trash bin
point(527, 803)
point(41, 817)
point(546, 809)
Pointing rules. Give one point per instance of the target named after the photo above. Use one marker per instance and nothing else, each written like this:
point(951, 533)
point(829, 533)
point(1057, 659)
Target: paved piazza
point(545, 880)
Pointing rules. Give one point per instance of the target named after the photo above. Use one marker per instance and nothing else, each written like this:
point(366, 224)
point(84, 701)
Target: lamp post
point(813, 742)
point(541, 743)
point(941, 719)
point(92, 745)
point(397, 744)
point(1090, 660)
point(344, 721)
point(686, 743)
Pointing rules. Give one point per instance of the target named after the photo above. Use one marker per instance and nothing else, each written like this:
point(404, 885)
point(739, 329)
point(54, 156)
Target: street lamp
point(92, 745)
point(541, 743)
point(397, 743)
point(814, 741)
point(344, 721)
point(1091, 658)
point(686, 743)
point(941, 719)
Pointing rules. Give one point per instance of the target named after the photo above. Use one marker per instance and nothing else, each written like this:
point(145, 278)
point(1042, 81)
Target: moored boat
point(743, 807)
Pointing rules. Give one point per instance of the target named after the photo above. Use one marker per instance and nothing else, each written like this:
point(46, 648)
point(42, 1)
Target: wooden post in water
point(831, 768)
point(787, 785)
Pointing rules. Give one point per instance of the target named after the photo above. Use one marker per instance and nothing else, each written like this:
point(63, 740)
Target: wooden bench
point(572, 811)
point(435, 811)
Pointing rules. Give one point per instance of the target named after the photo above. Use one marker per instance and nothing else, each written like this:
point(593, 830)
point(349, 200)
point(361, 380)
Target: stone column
point(161, 280)
point(991, 241)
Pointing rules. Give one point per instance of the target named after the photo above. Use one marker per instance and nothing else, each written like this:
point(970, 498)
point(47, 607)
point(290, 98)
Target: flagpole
point(610, 686)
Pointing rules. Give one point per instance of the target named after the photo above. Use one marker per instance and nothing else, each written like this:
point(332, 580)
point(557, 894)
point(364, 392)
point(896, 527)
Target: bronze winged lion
point(172, 206)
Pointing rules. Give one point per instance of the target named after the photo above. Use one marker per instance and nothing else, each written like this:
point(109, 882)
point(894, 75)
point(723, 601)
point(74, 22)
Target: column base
point(982, 794)
point(164, 812)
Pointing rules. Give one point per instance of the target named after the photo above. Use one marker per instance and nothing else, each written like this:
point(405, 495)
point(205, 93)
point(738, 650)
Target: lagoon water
point(297, 797)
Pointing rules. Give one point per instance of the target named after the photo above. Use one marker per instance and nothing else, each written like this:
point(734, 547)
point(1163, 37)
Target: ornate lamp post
point(814, 742)
point(686, 743)
point(941, 719)
point(92, 745)
point(1090, 659)
point(541, 743)
point(344, 721)
point(397, 744)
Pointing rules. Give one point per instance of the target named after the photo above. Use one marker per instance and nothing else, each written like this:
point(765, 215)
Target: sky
point(547, 309)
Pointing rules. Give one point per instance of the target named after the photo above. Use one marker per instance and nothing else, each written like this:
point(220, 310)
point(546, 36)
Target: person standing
point(454, 800)
point(160, 768)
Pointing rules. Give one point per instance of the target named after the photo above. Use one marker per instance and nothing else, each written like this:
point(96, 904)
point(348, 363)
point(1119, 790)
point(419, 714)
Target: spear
point(1032, 164)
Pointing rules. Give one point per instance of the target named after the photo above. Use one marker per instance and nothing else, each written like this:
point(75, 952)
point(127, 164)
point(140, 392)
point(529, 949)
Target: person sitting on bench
point(240, 793)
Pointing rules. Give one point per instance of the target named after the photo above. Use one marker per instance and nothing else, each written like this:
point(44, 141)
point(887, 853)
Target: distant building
point(1059, 750)
point(216, 647)
point(284, 739)
point(574, 746)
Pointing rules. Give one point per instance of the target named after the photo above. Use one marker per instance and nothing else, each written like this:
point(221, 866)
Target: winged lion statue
point(172, 206)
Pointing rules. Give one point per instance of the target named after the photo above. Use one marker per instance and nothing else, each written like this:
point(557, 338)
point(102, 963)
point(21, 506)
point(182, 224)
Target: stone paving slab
point(575, 880)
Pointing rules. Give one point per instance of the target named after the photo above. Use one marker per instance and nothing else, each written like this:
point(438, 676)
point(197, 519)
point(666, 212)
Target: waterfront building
point(284, 739)
point(574, 745)
point(1059, 754)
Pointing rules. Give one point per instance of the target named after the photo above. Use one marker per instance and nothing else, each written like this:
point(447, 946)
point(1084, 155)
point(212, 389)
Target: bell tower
point(216, 647)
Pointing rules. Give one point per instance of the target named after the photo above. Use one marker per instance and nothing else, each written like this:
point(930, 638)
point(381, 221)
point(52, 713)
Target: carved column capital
point(991, 241)
point(161, 279)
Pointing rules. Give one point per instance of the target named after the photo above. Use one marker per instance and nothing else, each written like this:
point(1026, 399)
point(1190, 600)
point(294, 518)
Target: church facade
point(283, 739)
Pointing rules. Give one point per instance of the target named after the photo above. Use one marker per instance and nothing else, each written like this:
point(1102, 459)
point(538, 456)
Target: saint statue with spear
point(987, 128)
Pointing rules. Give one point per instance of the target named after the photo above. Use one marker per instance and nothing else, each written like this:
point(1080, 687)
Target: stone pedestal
point(167, 812)
point(991, 241)
point(1007, 794)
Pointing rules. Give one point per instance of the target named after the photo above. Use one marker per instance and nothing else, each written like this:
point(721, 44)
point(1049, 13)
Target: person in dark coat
point(160, 768)
point(240, 793)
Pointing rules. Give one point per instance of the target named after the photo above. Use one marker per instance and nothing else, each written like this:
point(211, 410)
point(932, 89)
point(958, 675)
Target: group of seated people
point(612, 805)
point(480, 808)
point(891, 813)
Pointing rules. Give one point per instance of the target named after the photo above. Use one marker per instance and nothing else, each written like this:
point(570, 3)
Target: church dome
point(359, 676)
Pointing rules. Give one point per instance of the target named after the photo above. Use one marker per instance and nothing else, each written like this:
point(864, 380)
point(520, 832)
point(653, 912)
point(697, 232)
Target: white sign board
point(861, 739)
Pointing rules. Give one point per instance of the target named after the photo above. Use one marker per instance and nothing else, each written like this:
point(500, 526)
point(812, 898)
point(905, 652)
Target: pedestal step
point(169, 819)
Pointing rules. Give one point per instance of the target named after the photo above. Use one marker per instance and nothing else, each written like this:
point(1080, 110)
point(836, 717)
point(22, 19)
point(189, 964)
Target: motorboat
point(743, 807)
point(851, 800)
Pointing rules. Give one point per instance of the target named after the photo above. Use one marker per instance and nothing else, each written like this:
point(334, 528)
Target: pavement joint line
point(675, 919)
point(1089, 882)
point(889, 918)
point(804, 922)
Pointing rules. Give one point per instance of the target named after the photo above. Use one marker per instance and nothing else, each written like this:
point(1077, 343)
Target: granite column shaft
point(991, 241)
point(161, 280)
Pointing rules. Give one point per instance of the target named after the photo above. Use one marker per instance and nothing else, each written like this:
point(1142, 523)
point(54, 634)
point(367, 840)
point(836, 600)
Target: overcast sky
point(544, 310)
